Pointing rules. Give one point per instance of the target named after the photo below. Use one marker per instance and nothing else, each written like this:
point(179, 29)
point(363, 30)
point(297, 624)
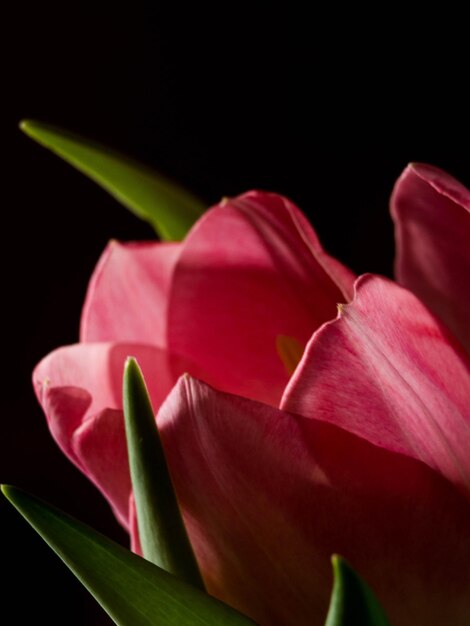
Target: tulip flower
point(291, 433)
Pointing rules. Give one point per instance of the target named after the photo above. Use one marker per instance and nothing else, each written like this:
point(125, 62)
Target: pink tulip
point(360, 448)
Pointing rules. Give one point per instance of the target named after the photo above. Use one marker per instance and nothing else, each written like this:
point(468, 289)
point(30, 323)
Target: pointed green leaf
point(162, 534)
point(133, 591)
point(352, 601)
point(169, 209)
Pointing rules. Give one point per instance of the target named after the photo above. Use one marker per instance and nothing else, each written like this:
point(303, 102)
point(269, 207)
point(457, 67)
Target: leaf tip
point(38, 131)
point(28, 127)
point(338, 562)
point(342, 569)
point(6, 490)
point(132, 371)
point(12, 494)
point(131, 361)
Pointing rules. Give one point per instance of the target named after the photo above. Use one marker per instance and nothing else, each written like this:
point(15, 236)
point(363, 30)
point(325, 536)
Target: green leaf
point(133, 591)
point(169, 209)
point(162, 533)
point(352, 601)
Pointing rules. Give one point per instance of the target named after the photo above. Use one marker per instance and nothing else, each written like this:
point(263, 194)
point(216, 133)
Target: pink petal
point(128, 294)
point(80, 390)
point(387, 370)
point(100, 445)
point(268, 497)
point(431, 211)
point(250, 270)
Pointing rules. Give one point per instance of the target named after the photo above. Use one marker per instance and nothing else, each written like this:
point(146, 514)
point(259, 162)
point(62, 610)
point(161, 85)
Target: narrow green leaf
point(162, 534)
point(352, 601)
point(170, 209)
point(133, 591)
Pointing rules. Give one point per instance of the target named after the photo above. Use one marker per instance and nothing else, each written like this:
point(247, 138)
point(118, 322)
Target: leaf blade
point(162, 533)
point(170, 209)
point(133, 591)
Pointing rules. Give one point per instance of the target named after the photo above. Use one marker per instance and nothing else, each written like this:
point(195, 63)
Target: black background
point(325, 109)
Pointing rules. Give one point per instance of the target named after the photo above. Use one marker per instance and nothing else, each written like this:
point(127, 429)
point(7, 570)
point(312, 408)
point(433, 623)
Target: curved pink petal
point(250, 270)
point(431, 211)
point(100, 445)
point(387, 370)
point(128, 294)
point(267, 497)
point(80, 390)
